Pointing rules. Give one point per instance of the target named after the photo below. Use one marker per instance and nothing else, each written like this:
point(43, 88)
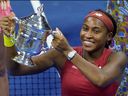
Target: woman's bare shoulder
point(119, 56)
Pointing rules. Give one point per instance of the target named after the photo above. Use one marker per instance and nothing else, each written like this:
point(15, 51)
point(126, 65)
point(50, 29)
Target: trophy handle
point(48, 36)
point(13, 34)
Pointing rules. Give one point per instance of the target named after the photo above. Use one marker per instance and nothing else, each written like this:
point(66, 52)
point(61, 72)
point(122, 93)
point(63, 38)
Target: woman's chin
point(88, 49)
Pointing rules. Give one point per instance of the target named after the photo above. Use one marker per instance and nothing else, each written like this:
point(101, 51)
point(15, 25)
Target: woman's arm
point(42, 62)
point(102, 77)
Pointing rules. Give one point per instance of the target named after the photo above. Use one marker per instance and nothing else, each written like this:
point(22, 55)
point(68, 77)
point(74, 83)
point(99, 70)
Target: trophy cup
point(31, 40)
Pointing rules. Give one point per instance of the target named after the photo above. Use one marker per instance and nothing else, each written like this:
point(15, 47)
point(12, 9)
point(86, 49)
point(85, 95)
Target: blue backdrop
point(67, 15)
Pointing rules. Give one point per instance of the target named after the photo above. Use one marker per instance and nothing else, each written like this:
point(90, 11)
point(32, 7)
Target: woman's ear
point(109, 36)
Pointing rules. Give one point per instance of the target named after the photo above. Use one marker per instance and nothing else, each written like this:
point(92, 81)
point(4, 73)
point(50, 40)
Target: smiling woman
point(56, 12)
point(92, 69)
point(99, 61)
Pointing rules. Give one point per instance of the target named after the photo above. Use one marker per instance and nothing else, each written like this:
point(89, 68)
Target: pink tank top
point(75, 84)
point(5, 9)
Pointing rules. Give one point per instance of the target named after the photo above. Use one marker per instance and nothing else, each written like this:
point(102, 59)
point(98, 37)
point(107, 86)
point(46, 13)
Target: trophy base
point(24, 60)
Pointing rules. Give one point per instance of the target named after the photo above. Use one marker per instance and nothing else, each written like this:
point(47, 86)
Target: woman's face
point(94, 34)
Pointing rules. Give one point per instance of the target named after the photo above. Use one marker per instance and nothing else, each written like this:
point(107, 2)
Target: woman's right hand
point(7, 24)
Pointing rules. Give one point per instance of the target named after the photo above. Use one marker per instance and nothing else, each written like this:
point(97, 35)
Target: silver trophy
point(31, 39)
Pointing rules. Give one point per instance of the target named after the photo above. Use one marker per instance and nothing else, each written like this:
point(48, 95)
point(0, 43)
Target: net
point(43, 84)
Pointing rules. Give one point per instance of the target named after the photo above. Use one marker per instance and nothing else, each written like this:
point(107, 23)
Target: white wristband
point(71, 55)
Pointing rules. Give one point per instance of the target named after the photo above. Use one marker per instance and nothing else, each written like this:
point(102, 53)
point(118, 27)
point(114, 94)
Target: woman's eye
point(96, 31)
point(85, 29)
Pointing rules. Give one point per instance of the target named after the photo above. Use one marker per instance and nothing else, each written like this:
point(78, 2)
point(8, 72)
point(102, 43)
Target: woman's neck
point(92, 56)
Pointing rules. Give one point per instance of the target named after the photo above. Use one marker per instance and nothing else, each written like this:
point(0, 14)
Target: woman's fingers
point(12, 14)
point(58, 40)
point(7, 25)
point(57, 34)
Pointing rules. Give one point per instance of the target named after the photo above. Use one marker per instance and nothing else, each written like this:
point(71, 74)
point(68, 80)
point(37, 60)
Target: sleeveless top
point(5, 10)
point(74, 83)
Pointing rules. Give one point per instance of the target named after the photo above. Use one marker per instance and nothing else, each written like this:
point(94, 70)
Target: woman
point(89, 70)
point(5, 10)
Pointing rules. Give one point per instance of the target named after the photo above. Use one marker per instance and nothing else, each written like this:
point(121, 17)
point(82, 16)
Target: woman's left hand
point(7, 24)
point(59, 42)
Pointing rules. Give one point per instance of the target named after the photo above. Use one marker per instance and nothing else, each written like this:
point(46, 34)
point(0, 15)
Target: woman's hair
point(112, 19)
point(114, 25)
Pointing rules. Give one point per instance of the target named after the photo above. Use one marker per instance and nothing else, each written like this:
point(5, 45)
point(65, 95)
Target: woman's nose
point(89, 34)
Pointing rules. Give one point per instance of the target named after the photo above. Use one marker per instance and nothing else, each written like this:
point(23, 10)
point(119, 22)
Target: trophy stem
point(24, 59)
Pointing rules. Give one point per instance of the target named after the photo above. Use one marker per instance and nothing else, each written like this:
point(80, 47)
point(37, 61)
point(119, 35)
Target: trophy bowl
point(31, 37)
